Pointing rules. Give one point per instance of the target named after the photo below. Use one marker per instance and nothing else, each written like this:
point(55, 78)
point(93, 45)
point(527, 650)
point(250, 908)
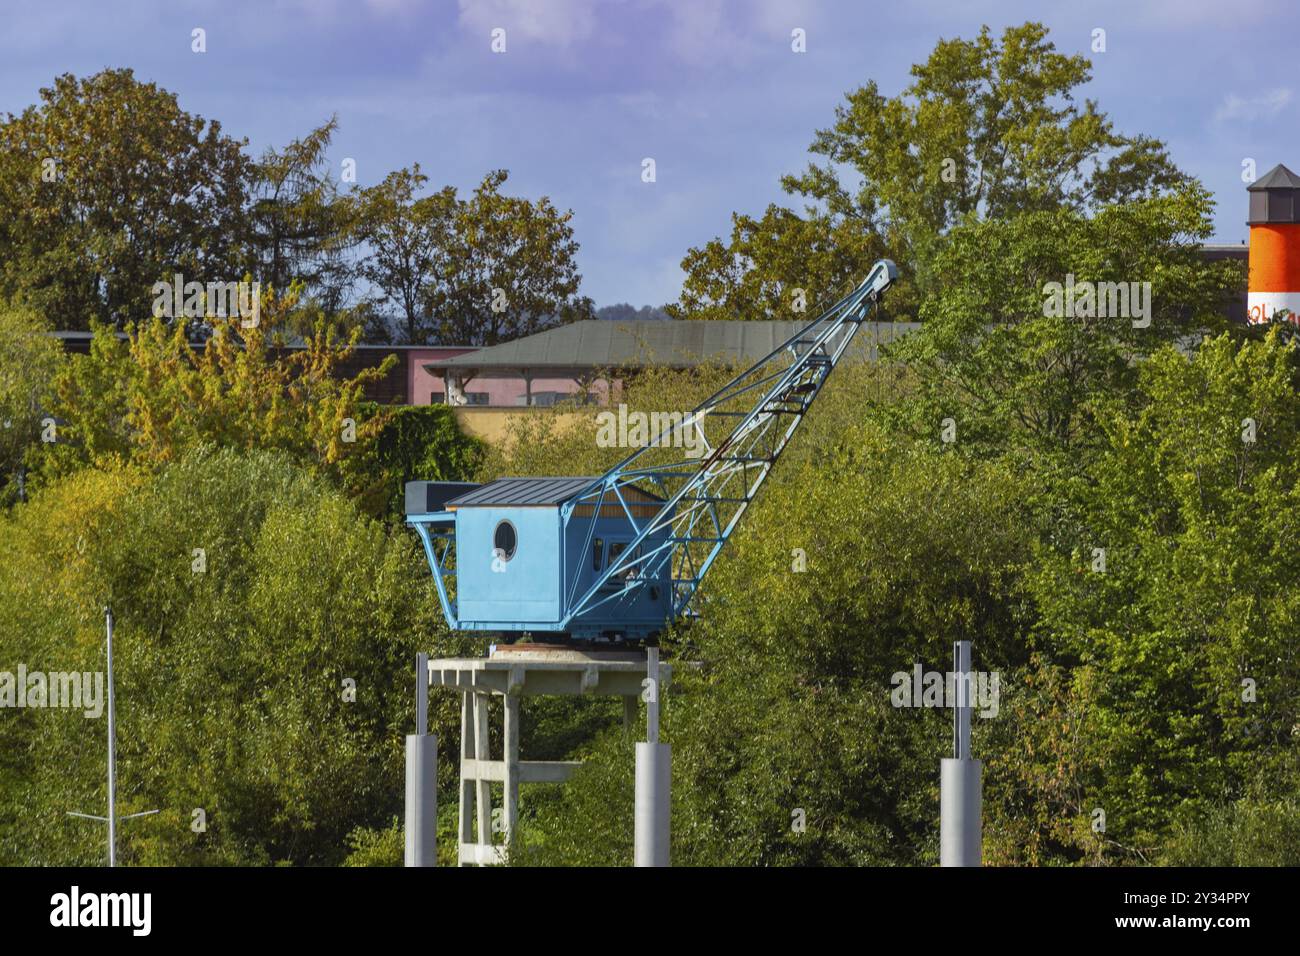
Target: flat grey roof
point(535, 491)
point(601, 344)
point(522, 491)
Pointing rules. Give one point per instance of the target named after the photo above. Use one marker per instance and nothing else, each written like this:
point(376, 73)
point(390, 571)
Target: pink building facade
point(424, 387)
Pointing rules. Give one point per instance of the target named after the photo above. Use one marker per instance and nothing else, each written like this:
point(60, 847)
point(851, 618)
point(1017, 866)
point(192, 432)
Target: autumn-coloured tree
point(108, 186)
point(151, 397)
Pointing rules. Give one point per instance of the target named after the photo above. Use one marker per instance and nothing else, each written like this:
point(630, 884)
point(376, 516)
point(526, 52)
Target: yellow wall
point(491, 424)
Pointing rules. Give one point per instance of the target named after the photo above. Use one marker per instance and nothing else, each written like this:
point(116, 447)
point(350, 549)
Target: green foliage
point(300, 228)
point(989, 128)
point(1249, 832)
point(489, 268)
point(1189, 630)
point(230, 664)
point(156, 396)
point(94, 210)
point(370, 846)
point(410, 240)
point(781, 266)
point(1018, 375)
point(29, 359)
point(417, 443)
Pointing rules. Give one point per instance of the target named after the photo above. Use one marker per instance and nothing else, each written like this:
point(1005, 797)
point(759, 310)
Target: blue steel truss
point(705, 496)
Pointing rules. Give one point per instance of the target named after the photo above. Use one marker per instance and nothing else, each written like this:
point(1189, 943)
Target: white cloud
point(555, 22)
point(1250, 108)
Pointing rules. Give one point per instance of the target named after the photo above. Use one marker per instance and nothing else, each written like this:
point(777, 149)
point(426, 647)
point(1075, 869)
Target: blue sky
point(709, 88)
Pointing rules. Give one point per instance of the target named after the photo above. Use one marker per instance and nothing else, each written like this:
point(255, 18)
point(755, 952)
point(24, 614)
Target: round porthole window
point(504, 540)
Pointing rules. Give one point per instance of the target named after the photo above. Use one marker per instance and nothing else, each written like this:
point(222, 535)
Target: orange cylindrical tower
point(1274, 222)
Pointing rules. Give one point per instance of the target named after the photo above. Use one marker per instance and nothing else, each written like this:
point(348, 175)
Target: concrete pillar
point(483, 797)
point(421, 778)
point(653, 780)
point(960, 829)
point(653, 799)
point(465, 832)
point(511, 756)
point(421, 800)
point(960, 778)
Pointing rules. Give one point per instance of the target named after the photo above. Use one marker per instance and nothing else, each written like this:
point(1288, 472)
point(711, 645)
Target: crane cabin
point(522, 552)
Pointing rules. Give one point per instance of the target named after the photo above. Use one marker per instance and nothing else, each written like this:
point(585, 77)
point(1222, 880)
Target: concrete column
point(960, 830)
point(421, 800)
point(960, 777)
point(511, 756)
point(421, 778)
point(652, 823)
point(465, 832)
point(653, 798)
point(483, 796)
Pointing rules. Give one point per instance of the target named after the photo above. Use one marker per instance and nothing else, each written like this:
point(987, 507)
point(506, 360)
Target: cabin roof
point(534, 491)
point(522, 491)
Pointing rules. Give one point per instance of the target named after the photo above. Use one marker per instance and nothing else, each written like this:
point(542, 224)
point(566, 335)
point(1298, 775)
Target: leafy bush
point(247, 593)
point(29, 359)
point(416, 443)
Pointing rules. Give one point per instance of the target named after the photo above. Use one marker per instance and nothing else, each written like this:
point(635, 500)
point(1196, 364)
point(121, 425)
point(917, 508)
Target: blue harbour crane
point(620, 556)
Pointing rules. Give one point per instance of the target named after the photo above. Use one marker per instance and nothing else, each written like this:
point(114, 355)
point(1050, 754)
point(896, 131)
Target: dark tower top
point(1275, 198)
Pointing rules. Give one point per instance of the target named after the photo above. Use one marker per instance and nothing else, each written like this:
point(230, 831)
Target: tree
point(409, 240)
point(512, 269)
point(108, 186)
point(471, 271)
point(30, 358)
point(265, 638)
point(782, 266)
point(416, 443)
point(155, 396)
point(1186, 616)
point(300, 227)
point(1015, 366)
point(987, 129)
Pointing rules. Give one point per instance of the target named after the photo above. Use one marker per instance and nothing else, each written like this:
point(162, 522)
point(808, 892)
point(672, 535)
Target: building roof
point(537, 491)
point(522, 491)
point(604, 344)
point(1279, 177)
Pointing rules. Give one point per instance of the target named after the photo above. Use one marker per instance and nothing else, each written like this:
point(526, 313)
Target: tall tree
point(106, 186)
point(300, 226)
point(409, 239)
point(1016, 358)
point(512, 269)
point(988, 128)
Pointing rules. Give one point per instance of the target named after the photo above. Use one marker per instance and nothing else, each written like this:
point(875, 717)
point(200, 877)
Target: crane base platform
point(512, 672)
